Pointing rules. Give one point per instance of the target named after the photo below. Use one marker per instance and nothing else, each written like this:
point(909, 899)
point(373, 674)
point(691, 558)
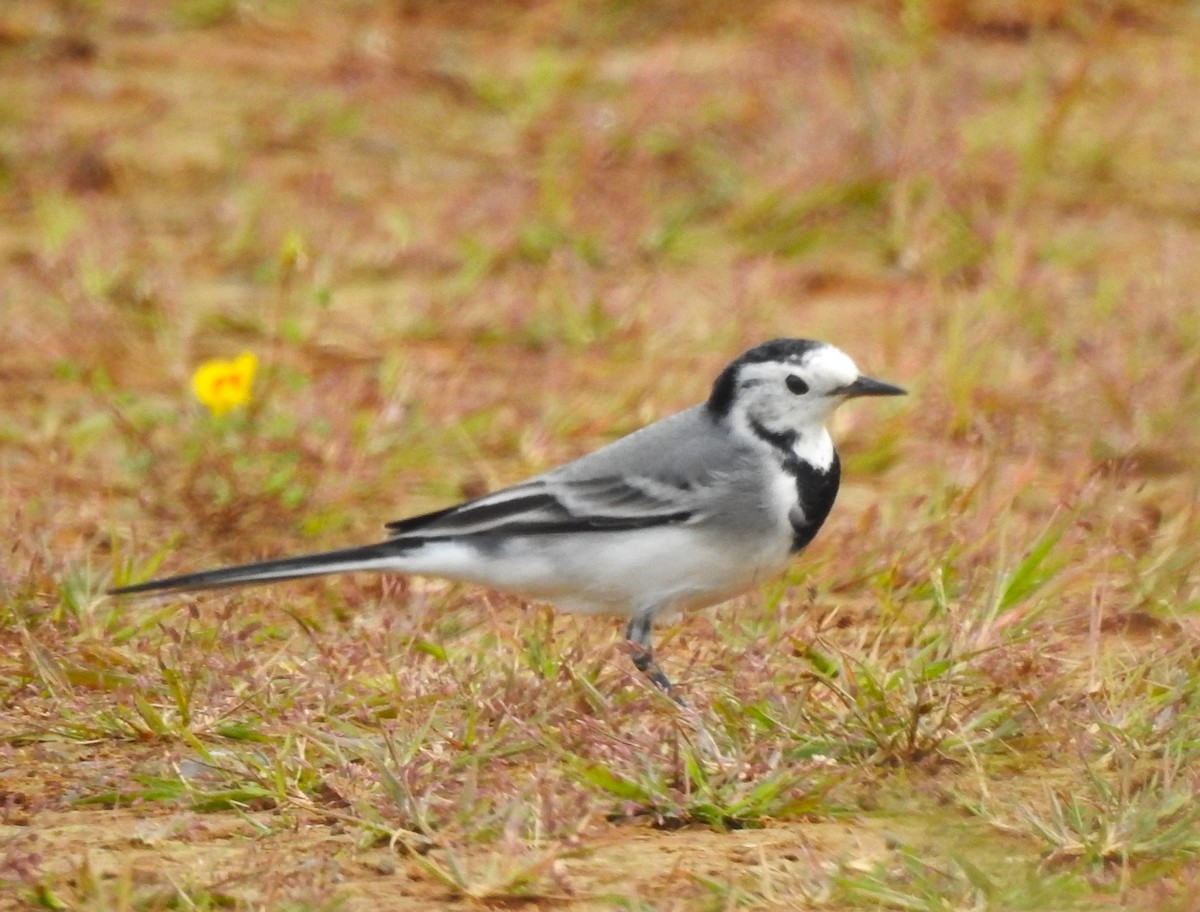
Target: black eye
point(796, 385)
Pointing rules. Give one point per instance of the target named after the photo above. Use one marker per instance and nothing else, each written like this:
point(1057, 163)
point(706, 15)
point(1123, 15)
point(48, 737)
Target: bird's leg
point(638, 635)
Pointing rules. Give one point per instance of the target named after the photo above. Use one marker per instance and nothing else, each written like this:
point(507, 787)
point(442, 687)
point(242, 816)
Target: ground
point(466, 242)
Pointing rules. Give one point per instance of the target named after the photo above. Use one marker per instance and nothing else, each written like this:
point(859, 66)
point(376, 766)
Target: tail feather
point(381, 556)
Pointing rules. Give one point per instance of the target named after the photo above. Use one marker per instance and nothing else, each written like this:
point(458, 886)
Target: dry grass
point(468, 241)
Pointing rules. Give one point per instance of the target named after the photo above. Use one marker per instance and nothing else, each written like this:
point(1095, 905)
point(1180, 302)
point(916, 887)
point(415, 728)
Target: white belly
point(662, 569)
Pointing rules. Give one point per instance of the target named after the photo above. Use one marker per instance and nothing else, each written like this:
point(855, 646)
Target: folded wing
point(548, 505)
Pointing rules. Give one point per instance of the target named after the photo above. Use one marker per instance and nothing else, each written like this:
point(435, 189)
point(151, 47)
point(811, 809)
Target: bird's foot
point(643, 661)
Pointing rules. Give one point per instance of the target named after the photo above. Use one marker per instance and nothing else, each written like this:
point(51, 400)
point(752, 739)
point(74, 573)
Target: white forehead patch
point(831, 365)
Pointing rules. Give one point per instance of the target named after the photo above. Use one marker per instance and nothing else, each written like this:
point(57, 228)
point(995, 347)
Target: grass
point(467, 243)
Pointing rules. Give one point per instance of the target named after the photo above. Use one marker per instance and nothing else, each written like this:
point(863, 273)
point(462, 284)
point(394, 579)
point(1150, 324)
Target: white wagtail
point(684, 513)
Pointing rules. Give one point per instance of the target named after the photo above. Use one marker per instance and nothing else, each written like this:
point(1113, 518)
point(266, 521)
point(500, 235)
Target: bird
point(684, 513)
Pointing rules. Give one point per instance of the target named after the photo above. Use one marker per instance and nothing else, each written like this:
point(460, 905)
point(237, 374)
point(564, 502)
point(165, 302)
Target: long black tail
point(381, 556)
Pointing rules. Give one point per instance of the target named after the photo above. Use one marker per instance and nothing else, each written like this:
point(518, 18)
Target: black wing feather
point(612, 504)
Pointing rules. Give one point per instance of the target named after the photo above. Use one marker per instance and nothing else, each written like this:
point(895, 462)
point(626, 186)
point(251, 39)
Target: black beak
point(869, 386)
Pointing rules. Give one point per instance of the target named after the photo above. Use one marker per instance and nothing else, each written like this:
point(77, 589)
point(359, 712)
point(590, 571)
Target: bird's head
point(789, 386)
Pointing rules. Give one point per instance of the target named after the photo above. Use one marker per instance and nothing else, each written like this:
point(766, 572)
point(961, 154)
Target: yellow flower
point(224, 385)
